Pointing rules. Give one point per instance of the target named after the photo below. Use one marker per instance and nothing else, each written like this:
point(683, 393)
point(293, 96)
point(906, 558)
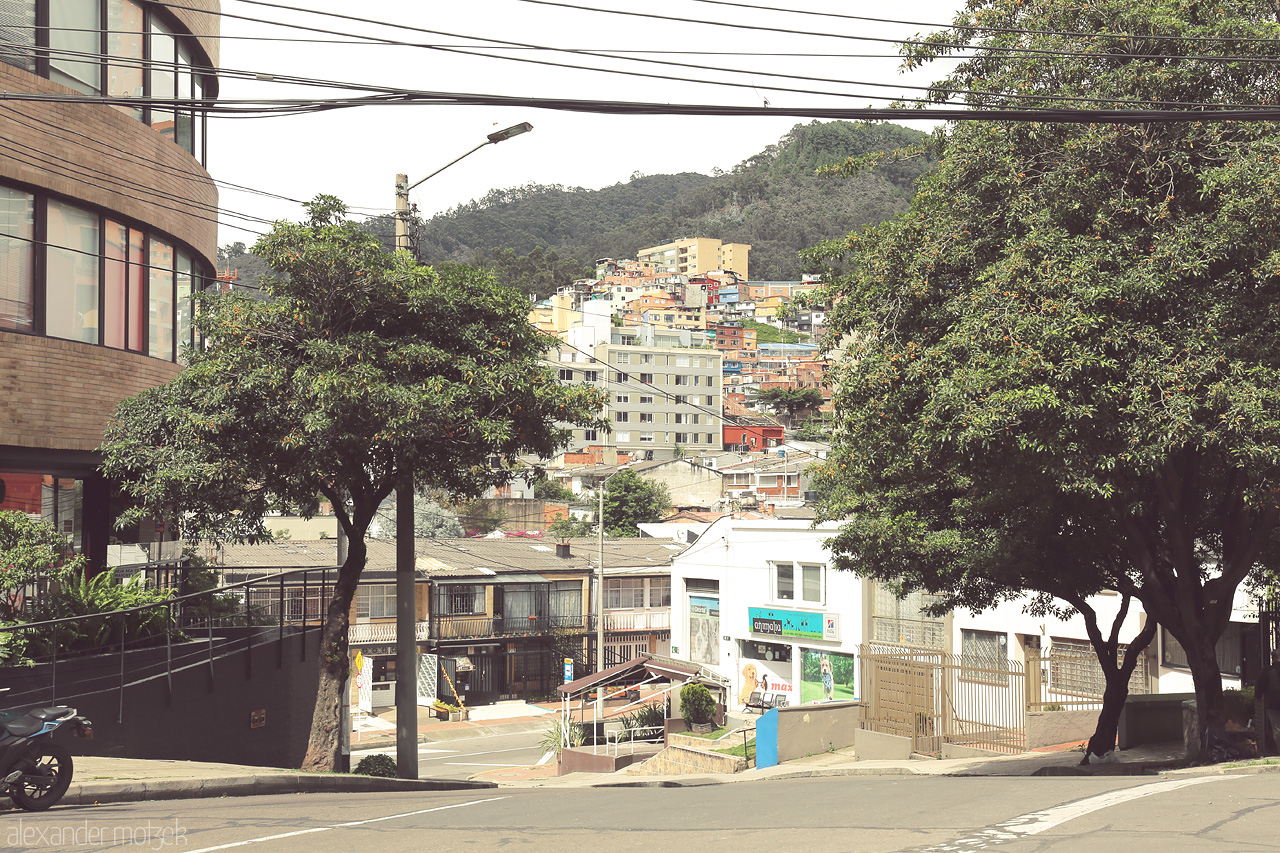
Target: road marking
point(544, 759)
point(496, 751)
point(1035, 823)
point(350, 823)
point(479, 764)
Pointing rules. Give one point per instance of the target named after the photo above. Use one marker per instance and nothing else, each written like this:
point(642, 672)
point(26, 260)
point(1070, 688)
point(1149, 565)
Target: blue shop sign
point(775, 622)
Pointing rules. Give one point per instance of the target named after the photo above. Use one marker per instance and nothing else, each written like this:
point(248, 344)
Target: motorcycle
point(34, 771)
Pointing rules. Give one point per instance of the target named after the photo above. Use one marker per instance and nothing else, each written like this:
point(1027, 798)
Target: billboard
point(827, 676)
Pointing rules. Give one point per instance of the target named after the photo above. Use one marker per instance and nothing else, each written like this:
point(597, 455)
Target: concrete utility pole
point(406, 612)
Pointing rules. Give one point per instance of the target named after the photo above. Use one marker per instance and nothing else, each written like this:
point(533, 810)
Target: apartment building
point(699, 255)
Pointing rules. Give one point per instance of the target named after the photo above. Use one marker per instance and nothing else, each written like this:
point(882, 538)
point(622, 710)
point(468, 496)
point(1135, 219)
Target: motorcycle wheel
point(46, 777)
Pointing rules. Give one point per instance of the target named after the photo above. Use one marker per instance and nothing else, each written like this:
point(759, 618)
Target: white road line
point(496, 751)
point(296, 833)
point(544, 759)
point(478, 764)
point(1035, 823)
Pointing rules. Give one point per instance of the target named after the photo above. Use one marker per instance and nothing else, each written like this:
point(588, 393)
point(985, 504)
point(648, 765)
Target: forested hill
point(538, 237)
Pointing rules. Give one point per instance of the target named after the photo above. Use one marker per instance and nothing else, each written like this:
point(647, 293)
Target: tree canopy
point(29, 551)
point(363, 372)
point(1062, 365)
point(630, 499)
point(793, 401)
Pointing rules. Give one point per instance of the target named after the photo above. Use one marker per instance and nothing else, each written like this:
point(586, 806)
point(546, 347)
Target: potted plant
point(698, 707)
point(445, 711)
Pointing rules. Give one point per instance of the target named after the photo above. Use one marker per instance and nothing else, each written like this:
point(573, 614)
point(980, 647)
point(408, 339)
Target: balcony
point(638, 620)
point(381, 632)
point(482, 627)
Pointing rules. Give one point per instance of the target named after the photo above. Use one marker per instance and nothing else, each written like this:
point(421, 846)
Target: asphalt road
point(923, 814)
point(465, 757)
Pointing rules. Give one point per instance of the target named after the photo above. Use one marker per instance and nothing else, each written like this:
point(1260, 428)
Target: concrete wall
point(578, 760)
point(208, 716)
point(870, 746)
point(676, 760)
point(812, 729)
point(1154, 718)
point(1049, 728)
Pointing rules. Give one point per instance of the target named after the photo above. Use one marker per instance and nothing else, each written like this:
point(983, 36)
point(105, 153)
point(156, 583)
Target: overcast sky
point(355, 153)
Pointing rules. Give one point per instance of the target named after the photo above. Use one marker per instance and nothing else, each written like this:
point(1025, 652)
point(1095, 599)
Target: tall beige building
point(699, 255)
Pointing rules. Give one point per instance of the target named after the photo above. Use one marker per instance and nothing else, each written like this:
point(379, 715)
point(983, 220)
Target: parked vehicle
point(34, 771)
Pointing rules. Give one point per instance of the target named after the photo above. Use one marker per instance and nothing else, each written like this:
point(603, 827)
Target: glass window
point(659, 592)
point(811, 583)
point(137, 305)
point(71, 289)
point(786, 583)
point(183, 289)
point(125, 35)
point(18, 33)
point(463, 599)
point(566, 375)
point(983, 656)
point(163, 76)
point(376, 601)
point(160, 330)
point(184, 127)
point(589, 435)
point(623, 593)
point(74, 33)
point(115, 276)
point(622, 437)
point(17, 254)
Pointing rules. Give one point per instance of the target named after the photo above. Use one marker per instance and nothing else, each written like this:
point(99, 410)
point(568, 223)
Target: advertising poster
point(704, 629)
point(827, 676)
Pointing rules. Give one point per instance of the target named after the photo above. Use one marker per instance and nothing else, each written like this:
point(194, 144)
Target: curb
point(94, 793)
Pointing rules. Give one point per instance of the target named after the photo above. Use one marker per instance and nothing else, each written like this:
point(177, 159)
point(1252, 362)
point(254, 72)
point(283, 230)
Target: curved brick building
point(107, 226)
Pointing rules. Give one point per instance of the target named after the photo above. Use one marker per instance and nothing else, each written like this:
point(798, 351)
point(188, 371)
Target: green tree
point(430, 519)
point(1076, 318)
point(546, 489)
point(363, 370)
point(29, 551)
point(792, 401)
point(630, 499)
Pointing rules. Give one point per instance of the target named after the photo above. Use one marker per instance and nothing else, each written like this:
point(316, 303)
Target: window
point(621, 417)
point(682, 361)
point(1229, 655)
point(567, 356)
point(710, 401)
point(697, 380)
point(711, 438)
point(160, 328)
point(646, 417)
point(621, 377)
point(646, 401)
point(74, 28)
point(72, 276)
point(590, 435)
point(566, 602)
point(682, 438)
point(696, 437)
point(677, 379)
point(591, 376)
point(376, 601)
point(622, 437)
point(785, 586)
point(622, 398)
point(659, 592)
point(623, 592)
point(462, 599)
point(17, 256)
point(811, 583)
point(622, 358)
point(646, 358)
point(646, 378)
point(566, 375)
point(679, 398)
point(646, 437)
point(984, 656)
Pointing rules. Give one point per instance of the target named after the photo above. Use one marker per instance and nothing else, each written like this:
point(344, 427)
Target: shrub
point(1239, 704)
point(377, 764)
point(553, 738)
point(644, 717)
point(696, 704)
point(446, 707)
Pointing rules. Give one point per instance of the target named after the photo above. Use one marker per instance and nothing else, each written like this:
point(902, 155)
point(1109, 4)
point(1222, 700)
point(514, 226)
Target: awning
point(634, 669)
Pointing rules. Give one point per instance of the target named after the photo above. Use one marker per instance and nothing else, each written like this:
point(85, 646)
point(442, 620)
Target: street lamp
point(406, 627)
point(403, 186)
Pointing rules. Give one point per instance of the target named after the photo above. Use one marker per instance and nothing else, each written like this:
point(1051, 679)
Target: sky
point(355, 153)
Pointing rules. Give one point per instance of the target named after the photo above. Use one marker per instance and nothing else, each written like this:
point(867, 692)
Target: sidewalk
point(106, 780)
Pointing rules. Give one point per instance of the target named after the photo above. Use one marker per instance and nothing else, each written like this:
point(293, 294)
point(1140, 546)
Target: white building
point(758, 602)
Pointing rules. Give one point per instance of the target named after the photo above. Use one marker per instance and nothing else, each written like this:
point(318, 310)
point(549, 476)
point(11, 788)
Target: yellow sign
point(359, 661)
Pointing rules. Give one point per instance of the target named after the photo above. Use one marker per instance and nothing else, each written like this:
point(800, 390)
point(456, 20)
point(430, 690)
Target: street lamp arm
point(447, 165)
point(492, 139)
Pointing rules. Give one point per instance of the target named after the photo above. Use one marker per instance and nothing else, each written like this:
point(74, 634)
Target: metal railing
point(632, 736)
point(480, 627)
point(638, 620)
point(256, 609)
point(935, 698)
point(1071, 681)
point(382, 632)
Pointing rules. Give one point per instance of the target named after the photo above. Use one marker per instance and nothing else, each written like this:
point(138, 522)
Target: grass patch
point(740, 750)
point(1259, 763)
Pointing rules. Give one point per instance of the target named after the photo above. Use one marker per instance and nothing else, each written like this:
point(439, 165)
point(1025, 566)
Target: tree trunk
point(1211, 707)
point(1116, 692)
point(324, 749)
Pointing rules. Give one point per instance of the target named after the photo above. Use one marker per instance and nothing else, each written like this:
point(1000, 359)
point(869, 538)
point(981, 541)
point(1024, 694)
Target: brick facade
point(59, 394)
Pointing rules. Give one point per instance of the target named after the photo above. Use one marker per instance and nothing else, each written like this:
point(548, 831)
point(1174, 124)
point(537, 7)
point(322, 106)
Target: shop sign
point(804, 625)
